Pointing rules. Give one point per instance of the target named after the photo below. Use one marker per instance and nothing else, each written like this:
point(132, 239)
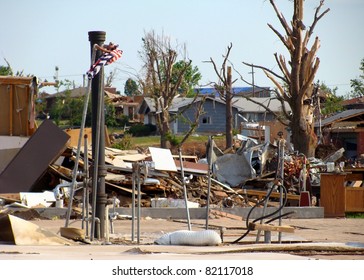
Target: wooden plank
point(11, 106)
point(333, 194)
point(26, 117)
point(12, 197)
point(75, 133)
point(262, 194)
point(185, 157)
point(266, 227)
point(354, 199)
point(124, 189)
point(4, 110)
point(11, 80)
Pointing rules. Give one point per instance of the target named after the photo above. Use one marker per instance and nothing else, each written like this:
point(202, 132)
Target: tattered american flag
point(105, 59)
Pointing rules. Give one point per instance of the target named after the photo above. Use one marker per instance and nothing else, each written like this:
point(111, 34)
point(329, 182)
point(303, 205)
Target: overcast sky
point(38, 35)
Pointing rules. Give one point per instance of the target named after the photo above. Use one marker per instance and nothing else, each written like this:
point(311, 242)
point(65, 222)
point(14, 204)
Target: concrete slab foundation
point(200, 213)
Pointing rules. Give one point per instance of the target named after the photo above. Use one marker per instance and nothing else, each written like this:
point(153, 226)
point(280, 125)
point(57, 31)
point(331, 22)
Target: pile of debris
point(237, 178)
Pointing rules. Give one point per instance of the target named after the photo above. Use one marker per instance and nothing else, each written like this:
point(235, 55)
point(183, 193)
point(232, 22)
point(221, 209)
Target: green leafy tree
point(56, 110)
point(190, 79)
point(131, 88)
point(332, 103)
point(357, 84)
point(5, 71)
point(69, 109)
point(8, 71)
point(110, 115)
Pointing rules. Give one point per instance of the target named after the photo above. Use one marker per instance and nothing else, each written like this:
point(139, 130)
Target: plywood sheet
point(33, 159)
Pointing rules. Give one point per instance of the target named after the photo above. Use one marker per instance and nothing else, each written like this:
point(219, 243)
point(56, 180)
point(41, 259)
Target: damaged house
point(249, 118)
point(125, 106)
point(344, 130)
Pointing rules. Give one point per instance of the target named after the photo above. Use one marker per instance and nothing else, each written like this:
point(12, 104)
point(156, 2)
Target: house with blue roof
point(213, 118)
point(237, 91)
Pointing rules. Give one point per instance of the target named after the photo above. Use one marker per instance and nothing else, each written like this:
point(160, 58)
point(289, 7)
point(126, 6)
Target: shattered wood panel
point(199, 168)
point(15, 110)
point(75, 133)
point(43, 148)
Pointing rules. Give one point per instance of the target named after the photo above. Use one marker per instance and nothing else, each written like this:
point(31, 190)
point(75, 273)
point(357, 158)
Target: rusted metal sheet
point(42, 149)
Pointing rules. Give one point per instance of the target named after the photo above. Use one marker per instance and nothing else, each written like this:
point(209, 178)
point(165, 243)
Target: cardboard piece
point(21, 232)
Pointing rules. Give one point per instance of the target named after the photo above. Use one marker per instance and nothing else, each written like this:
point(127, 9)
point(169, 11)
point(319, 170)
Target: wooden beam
point(12, 197)
point(11, 107)
point(11, 80)
point(266, 227)
point(261, 194)
point(123, 189)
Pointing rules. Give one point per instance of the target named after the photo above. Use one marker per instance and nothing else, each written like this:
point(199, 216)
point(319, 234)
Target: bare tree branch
point(317, 17)
point(281, 19)
point(266, 69)
point(285, 41)
point(194, 125)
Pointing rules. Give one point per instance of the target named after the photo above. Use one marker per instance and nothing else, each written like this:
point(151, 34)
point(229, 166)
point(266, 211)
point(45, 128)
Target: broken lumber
point(266, 227)
point(261, 194)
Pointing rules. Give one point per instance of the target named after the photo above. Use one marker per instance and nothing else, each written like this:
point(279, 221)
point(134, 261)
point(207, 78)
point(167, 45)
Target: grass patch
point(355, 215)
point(155, 140)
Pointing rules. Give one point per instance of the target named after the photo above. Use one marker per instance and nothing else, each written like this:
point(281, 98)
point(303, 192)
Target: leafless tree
point(224, 88)
point(163, 82)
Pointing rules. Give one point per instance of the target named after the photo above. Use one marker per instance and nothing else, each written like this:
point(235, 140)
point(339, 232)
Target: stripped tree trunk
point(296, 83)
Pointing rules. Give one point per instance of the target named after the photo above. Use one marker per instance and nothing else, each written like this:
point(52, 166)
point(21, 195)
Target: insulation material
point(34, 199)
point(171, 202)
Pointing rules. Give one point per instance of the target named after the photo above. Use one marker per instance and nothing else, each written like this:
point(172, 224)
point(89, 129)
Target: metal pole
point(75, 168)
point(86, 181)
point(135, 165)
point(139, 199)
point(209, 170)
point(184, 188)
point(94, 188)
point(281, 162)
point(98, 135)
point(84, 185)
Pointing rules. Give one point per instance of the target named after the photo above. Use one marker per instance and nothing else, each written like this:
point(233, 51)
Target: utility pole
point(98, 133)
point(229, 113)
point(252, 72)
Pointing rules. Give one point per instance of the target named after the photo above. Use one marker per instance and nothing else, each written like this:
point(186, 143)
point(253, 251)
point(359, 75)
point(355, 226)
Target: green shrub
point(124, 143)
point(142, 130)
